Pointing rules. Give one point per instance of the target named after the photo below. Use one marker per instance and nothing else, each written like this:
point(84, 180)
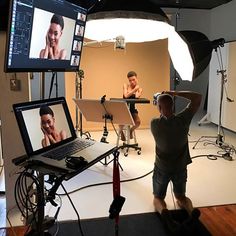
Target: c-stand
point(220, 136)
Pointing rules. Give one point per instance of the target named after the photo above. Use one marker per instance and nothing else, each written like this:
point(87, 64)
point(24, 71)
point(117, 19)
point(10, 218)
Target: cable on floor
point(77, 213)
point(227, 150)
point(209, 156)
point(105, 183)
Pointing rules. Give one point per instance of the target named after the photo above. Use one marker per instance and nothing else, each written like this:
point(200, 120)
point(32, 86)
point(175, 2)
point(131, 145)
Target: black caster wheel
point(125, 154)
point(139, 152)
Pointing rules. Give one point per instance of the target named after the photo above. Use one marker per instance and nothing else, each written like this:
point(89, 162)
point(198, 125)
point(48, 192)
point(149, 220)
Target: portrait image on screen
point(41, 125)
point(42, 35)
point(77, 45)
point(75, 60)
point(51, 37)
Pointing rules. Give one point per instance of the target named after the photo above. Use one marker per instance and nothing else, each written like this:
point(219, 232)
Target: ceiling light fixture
point(137, 21)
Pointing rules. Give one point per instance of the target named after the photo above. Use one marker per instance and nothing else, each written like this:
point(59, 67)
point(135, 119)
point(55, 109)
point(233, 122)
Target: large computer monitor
point(44, 35)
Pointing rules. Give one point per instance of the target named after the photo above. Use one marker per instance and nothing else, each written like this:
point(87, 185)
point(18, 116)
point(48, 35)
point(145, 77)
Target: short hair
point(58, 19)
point(131, 73)
point(45, 110)
point(166, 99)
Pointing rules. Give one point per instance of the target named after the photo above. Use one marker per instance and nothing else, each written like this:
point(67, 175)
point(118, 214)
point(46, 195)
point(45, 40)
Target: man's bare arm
point(127, 93)
point(194, 97)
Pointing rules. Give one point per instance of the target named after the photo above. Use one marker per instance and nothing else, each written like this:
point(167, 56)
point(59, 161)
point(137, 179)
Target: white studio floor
point(210, 182)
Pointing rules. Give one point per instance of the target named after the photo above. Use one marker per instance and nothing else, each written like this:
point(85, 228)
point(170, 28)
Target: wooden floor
point(220, 221)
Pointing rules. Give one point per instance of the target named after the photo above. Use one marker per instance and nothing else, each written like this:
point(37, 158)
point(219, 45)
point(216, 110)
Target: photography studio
point(117, 117)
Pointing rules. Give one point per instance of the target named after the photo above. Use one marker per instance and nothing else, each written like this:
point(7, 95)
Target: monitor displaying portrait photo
point(44, 35)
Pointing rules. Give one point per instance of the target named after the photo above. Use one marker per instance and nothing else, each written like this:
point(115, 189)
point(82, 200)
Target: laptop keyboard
point(68, 149)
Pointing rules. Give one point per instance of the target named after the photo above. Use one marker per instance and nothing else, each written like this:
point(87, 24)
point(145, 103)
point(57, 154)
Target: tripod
point(78, 95)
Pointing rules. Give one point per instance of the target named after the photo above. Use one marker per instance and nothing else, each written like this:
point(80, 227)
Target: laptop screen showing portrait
point(36, 118)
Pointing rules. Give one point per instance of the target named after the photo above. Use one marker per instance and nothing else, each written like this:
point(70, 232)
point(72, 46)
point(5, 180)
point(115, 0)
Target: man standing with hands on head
point(170, 132)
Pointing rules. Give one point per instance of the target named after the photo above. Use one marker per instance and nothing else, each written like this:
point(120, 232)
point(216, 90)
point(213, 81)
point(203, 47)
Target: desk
point(40, 223)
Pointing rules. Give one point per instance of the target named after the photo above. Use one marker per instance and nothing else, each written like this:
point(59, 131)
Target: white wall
point(223, 20)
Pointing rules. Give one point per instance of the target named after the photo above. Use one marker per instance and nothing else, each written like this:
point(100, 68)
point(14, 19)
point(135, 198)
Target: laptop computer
point(46, 128)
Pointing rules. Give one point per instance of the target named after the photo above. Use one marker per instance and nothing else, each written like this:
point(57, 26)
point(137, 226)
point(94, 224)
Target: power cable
point(71, 202)
point(105, 183)
point(27, 186)
point(211, 157)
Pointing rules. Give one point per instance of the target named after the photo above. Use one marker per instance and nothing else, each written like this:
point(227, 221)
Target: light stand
point(219, 138)
point(78, 95)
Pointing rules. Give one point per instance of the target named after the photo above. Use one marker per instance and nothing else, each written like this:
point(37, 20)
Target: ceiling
point(194, 4)
point(191, 4)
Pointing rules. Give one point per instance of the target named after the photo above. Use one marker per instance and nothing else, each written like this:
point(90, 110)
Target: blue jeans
point(161, 179)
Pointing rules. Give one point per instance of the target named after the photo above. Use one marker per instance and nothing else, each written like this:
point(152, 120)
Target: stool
point(127, 144)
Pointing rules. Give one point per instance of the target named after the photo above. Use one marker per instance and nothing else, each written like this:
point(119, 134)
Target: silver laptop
point(49, 135)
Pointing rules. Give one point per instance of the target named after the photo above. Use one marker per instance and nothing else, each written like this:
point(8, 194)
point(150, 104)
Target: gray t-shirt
point(171, 138)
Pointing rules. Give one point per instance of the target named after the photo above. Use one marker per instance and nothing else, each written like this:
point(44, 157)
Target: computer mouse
point(75, 162)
